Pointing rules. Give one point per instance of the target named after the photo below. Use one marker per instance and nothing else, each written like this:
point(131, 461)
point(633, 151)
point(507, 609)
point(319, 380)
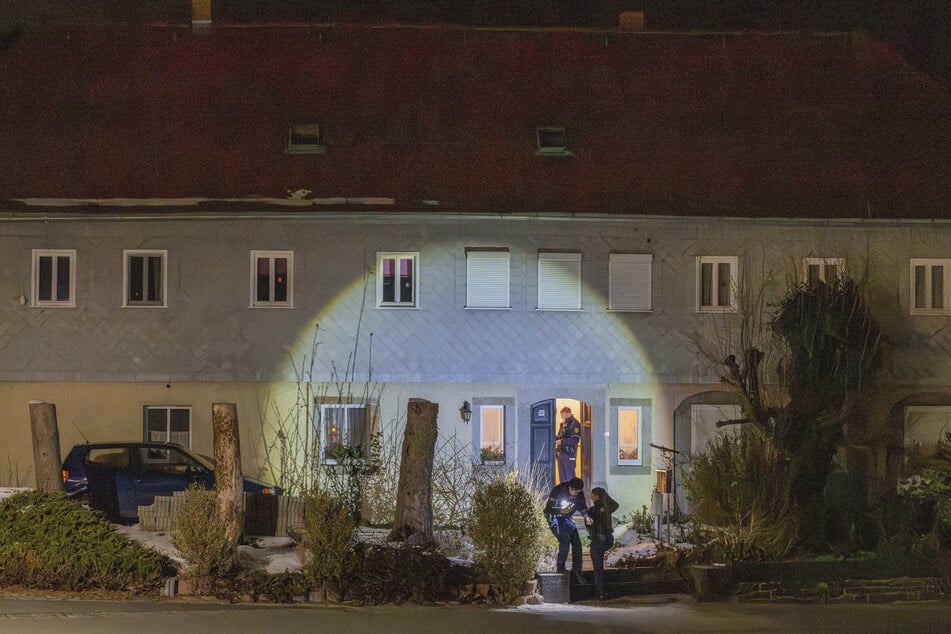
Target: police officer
point(566, 445)
point(565, 500)
point(601, 531)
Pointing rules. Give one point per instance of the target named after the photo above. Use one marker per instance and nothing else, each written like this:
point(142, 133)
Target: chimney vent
point(201, 16)
point(631, 21)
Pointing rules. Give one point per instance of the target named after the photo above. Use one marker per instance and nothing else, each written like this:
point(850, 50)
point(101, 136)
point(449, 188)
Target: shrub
point(640, 521)
point(329, 529)
point(394, 574)
point(50, 541)
point(507, 530)
point(199, 534)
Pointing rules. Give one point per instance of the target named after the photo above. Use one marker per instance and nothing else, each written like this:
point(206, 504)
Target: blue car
point(120, 477)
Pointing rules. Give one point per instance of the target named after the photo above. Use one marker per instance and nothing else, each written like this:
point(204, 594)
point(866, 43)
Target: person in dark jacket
point(601, 531)
point(566, 445)
point(564, 501)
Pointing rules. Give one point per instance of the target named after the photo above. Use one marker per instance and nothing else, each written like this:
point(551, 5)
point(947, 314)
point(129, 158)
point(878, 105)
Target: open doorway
point(546, 423)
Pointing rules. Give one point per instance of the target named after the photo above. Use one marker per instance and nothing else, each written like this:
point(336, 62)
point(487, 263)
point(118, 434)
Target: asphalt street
point(653, 614)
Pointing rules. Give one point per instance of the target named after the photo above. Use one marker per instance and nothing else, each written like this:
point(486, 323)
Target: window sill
point(493, 463)
point(397, 307)
point(262, 305)
point(630, 463)
point(52, 305)
point(716, 310)
point(629, 310)
point(306, 149)
point(561, 310)
point(145, 305)
point(487, 307)
point(923, 312)
point(554, 152)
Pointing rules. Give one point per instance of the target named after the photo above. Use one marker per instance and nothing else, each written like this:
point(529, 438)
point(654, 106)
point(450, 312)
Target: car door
point(164, 470)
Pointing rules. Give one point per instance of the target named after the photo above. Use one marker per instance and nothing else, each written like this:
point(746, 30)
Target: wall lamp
point(465, 412)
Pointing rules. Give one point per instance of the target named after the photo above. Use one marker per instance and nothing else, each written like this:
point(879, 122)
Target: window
point(629, 435)
point(492, 433)
point(703, 424)
point(559, 281)
point(166, 462)
point(716, 283)
point(487, 278)
point(144, 278)
point(396, 280)
point(272, 278)
point(54, 278)
point(344, 432)
point(825, 270)
point(305, 138)
point(551, 141)
point(629, 282)
point(930, 287)
point(927, 425)
point(168, 424)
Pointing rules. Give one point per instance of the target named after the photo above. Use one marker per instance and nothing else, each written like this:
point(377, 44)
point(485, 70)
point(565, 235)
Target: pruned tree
point(414, 498)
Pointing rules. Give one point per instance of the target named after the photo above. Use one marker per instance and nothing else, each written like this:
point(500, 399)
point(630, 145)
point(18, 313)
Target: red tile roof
point(681, 124)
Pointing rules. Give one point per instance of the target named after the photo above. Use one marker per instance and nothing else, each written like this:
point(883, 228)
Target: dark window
point(46, 278)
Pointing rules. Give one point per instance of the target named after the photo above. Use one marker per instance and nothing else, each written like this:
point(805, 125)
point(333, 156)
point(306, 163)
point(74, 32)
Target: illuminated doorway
point(545, 424)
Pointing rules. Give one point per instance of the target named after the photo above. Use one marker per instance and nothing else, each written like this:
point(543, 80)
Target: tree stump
point(47, 462)
point(228, 481)
point(414, 494)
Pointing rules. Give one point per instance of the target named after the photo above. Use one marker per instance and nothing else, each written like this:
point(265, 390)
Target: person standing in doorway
point(601, 532)
point(566, 445)
point(564, 501)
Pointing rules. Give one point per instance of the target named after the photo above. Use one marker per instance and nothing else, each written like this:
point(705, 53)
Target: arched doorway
point(545, 423)
point(917, 419)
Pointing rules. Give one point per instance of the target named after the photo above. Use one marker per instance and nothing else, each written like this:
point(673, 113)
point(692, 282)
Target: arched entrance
point(545, 422)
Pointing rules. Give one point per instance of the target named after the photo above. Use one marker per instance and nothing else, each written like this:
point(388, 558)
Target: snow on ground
point(6, 492)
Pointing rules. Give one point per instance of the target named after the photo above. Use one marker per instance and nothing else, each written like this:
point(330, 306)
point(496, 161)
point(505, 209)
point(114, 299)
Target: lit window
point(487, 278)
point(930, 285)
point(629, 282)
point(54, 278)
point(629, 436)
point(492, 434)
point(396, 280)
point(305, 138)
point(716, 284)
point(168, 424)
point(559, 281)
point(551, 141)
point(144, 278)
point(272, 278)
point(344, 431)
point(825, 270)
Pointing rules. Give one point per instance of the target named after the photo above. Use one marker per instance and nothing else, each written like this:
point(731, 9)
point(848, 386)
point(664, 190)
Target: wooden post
point(47, 461)
point(414, 494)
point(228, 480)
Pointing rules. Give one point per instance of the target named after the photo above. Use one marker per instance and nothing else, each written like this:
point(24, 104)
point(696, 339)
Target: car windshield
point(206, 461)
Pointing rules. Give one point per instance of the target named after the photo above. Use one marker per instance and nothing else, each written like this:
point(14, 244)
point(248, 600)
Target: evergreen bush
point(199, 534)
point(395, 574)
point(327, 543)
point(52, 542)
point(507, 531)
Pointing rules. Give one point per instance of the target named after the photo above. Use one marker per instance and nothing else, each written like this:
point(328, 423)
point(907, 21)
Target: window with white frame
point(492, 433)
point(825, 270)
point(629, 282)
point(397, 281)
point(144, 278)
point(54, 278)
point(305, 138)
point(551, 140)
point(559, 281)
point(344, 430)
point(930, 285)
point(629, 424)
point(168, 423)
point(487, 277)
point(272, 278)
point(716, 283)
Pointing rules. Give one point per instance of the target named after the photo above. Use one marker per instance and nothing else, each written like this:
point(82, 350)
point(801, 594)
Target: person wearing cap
point(564, 501)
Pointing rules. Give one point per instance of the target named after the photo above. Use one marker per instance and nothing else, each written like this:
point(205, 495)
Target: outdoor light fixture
point(465, 412)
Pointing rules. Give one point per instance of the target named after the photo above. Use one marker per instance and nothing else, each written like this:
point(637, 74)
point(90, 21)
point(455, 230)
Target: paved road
point(655, 614)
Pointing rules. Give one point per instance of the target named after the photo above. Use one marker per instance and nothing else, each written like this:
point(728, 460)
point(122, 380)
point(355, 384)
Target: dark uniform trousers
point(600, 544)
point(565, 531)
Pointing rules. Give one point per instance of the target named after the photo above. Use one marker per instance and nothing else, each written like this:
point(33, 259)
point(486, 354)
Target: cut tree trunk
point(228, 481)
point(414, 495)
point(47, 462)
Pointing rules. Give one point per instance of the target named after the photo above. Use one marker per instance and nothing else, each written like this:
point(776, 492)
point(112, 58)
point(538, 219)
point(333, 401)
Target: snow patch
point(6, 492)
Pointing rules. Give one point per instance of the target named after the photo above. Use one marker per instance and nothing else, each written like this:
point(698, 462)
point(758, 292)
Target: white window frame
point(397, 255)
point(488, 278)
point(323, 437)
point(35, 277)
point(569, 263)
point(929, 264)
point(629, 274)
point(715, 261)
point(482, 411)
point(551, 150)
point(168, 422)
point(130, 253)
point(822, 263)
point(305, 148)
point(640, 435)
point(272, 255)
